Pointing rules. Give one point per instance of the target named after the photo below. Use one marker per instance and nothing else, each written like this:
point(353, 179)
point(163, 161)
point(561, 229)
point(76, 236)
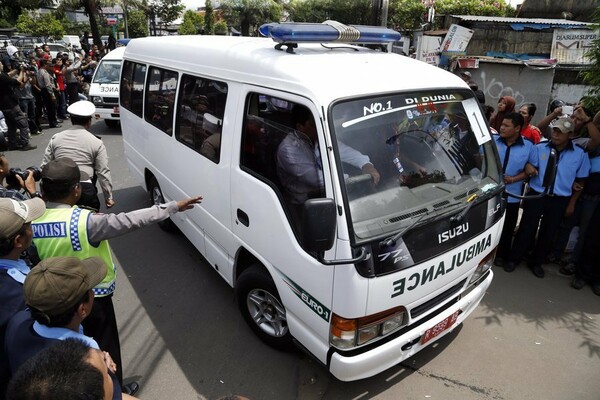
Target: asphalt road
point(183, 338)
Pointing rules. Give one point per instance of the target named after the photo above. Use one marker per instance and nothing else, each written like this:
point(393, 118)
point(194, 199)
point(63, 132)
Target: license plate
point(439, 328)
point(116, 110)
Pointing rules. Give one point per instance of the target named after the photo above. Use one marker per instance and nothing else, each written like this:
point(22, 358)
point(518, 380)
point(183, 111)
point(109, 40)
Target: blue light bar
point(328, 32)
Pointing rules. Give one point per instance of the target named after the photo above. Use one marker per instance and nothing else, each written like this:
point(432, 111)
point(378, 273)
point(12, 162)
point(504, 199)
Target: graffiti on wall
point(495, 89)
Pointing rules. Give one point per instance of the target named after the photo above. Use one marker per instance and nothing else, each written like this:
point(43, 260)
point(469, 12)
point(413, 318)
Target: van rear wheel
point(112, 123)
point(156, 197)
point(261, 307)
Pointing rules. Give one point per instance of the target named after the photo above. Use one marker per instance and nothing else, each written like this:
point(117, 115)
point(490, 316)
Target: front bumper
point(380, 358)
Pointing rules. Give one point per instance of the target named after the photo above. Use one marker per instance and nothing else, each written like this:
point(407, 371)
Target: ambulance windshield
point(408, 157)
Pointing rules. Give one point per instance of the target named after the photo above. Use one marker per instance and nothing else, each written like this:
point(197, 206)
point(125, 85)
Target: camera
point(11, 178)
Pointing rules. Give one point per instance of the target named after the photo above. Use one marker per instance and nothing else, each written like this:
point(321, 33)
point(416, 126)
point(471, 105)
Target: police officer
point(88, 151)
point(65, 230)
point(573, 165)
point(15, 237)
point(515, 152)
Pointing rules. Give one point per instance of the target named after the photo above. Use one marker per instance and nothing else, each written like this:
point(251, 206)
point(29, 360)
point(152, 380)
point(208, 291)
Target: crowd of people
point(57, 273)
point(36, 88)
point(553, 213)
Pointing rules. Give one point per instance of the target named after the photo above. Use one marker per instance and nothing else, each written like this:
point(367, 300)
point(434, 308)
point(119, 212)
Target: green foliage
point(137, 24)
point(591, 75)
point(43, 25)
point(221, 28)
point(167, 10)
point(405, 15)
point(248, 15)
point(192, 23)
point(345, 11)
point(497, 8)
point(209, 18)
point(11, 9)
point(5, 24)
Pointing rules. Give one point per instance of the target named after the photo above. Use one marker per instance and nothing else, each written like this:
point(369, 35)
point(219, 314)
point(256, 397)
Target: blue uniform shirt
point(513, 160)
point(573, 163)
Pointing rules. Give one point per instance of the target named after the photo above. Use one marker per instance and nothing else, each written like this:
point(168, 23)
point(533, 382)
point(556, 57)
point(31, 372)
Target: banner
point(457, 39)
point(570, 45)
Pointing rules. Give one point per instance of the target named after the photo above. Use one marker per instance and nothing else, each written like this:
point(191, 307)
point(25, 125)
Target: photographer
point(9, 104)
point(16, 187)
point(27, 81)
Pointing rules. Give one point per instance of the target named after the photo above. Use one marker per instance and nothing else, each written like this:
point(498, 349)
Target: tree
point(10, 10)
point(137, 24)
point(497, 8)
point(221, 28)
point(91, 9)
point(167, 10)
point(192, 23)
point(209, 18)
point(591, 75)
point(406, 15)
point(250, 14)
point(40, 25)
point(350, 12)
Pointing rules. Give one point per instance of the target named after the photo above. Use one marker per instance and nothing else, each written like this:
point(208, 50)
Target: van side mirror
point(318, 225)
point(550, 174)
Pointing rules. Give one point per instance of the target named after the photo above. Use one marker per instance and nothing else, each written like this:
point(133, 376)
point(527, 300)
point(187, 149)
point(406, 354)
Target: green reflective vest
point(62, 232)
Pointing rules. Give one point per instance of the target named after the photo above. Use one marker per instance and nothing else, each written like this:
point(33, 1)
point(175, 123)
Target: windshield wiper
point(391, 241)
point(471, 202)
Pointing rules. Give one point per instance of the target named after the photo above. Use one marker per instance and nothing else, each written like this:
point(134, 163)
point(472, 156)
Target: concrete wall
point(526, 85)
point(570, 94)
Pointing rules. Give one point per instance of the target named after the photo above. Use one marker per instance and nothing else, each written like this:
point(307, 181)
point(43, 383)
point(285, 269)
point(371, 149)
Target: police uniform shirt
point(86, 150)
point(513, 160)
point(107, 226)
point(572, 163)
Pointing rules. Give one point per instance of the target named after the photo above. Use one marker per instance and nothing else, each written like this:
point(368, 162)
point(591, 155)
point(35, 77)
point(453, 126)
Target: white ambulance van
point(352, 197)
point(104, 89)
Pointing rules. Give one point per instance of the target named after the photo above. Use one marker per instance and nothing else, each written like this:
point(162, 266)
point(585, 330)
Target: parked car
point(5, 41)
point(28, 42)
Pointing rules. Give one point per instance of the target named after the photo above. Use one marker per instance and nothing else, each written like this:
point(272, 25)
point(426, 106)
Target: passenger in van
point(299, 162)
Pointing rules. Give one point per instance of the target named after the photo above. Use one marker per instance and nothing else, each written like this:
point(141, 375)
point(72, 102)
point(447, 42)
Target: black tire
point(156, 197)
point(112, 123)
point(261, 307)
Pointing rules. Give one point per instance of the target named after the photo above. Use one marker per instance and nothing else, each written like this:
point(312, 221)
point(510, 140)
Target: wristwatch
point(36, 194)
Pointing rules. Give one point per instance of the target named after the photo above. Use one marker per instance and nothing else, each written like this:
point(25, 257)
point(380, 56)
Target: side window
point(131, 90)
point(160, 98)
point(280, 146)
point(200, 112)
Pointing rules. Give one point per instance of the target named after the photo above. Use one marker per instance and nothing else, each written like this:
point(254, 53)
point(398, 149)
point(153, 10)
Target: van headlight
point(349, 333)
point(96, 99)
point(483, 267)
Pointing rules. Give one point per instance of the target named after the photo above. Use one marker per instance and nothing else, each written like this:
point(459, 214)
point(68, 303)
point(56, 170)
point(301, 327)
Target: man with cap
point(9, 105)
point(15, 237)
point(65, 230)
point(59, 294)
point(573, 166)
point(88, 151)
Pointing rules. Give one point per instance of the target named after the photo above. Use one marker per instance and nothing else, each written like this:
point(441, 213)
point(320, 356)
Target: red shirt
point(532, 133)
point(60, 78)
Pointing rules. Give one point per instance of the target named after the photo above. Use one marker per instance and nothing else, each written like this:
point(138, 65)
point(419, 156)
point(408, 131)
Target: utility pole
point(379, 12)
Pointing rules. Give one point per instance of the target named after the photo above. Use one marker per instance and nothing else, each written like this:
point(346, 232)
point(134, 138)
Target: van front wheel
point(156, 197)
point(262, 309)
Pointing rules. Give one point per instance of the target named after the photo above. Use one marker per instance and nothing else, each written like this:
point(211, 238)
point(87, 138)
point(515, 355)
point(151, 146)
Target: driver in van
point(299, 163)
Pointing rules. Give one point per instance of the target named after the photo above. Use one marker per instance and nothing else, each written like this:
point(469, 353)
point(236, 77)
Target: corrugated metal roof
point(506, 20)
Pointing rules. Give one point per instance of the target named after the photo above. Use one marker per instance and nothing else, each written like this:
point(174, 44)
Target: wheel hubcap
point(267, 312)
point(157, 196)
